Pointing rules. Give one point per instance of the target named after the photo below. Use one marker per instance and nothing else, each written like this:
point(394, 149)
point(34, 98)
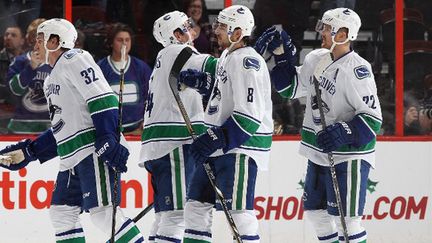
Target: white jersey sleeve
point(91, 83)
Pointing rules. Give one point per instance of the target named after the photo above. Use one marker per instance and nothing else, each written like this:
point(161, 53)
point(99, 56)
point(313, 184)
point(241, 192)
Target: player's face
point(326, 37)
point(39, 46)
point(221, 32)
point(122, 37)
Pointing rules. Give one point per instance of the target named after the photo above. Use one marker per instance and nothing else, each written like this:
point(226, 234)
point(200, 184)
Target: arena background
point(399, 191)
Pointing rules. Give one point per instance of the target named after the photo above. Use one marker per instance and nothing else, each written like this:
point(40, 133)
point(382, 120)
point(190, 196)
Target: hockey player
point(165, 138)
point(238, 141)
point(136, 75)
point(352, 112)
point(84, 134)
point(26, 76)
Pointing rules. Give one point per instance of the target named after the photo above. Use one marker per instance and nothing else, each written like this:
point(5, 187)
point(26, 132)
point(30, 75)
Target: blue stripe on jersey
point(73, 231)
point(196, 232)
point(283, 78)
point(364, 133)
point(166, 238)
point(236, 136)
point(106, 122)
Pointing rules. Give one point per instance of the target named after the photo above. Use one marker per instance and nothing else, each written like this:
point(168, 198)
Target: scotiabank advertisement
point(398, 207)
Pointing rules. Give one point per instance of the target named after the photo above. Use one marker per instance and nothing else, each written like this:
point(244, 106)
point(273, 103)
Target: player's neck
point(237, 46)
point(340, 50)
point(54, 56)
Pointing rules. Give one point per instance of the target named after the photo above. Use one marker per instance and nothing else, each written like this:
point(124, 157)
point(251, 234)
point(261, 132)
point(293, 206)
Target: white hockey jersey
point(242, 91)
point(76, 89)
point(164, 126)
point(348, 88)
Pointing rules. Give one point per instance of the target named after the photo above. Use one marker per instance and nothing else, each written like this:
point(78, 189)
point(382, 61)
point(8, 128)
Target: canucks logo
point(71, 53)
point(251, 63)
point(241, 11)
point(362, 72)
point(347, 12)
point(166, 17)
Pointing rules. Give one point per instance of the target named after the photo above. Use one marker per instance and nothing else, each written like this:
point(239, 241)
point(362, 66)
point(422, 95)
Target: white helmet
point(341, 18)
point(237, 16)
point(61, 27)
point(164, 27)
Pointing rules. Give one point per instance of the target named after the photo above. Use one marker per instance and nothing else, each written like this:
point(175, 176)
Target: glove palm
point(17, 156)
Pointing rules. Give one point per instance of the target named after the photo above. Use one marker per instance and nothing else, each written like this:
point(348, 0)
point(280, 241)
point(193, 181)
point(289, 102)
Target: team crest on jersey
point(251, 63)
point(362, 72)
point(58, 126)
point(71, 53)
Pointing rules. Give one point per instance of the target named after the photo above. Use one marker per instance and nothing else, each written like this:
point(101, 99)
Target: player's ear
point(236, 34)
point(178, 34)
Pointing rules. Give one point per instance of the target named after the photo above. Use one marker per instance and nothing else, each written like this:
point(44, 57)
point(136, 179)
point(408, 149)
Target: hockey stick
point(143, 212)
point(181, 59)
point(324, 63)
point(120, 113)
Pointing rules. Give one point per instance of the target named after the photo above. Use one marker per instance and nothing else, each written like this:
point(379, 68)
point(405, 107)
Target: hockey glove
point(17, 156)
point(284, 51)
point(335, 136)
point(200, 81)
point(206, 144)
point(110, 151)
point(265, 41)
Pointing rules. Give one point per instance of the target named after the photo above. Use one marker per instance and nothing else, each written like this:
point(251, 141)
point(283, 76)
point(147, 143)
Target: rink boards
point(397, 209)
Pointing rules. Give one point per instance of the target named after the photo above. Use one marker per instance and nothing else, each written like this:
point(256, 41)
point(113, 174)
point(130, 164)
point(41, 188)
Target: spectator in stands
point(79, 43)
point(13, 41)
point(293, 15)
point(425, 113)
point(206, 41)
point(26, 76)
point(411, 115)
point(330, 4)
point(136, 75)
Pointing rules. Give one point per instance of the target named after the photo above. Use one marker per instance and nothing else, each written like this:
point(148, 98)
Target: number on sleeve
point(89, 75)
point(250, 95)
point(370, 101)
point(149, 104)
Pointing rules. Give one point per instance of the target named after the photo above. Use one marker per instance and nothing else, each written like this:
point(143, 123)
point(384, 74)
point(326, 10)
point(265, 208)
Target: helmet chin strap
point(337, 43)
point(47, 51)
point(233, 43)
point(190, 39)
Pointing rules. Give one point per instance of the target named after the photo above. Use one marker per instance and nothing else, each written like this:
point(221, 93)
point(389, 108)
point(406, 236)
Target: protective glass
point(219, 26)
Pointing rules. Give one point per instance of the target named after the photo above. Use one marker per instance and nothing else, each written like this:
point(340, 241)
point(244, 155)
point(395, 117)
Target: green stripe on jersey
point(102, 103)
point(178, 182)
point(288, 92)
point(73, 240)
point(248, 125)
point(103, 184)
point(171, 131)
point(190, 240)
point(259, 142)
point(75, 143)
point(15, 86)
point(134, 231)
point(240, 183)
point(310, 138)
point(210, 65)
point(354, 168)
point(372, 122)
